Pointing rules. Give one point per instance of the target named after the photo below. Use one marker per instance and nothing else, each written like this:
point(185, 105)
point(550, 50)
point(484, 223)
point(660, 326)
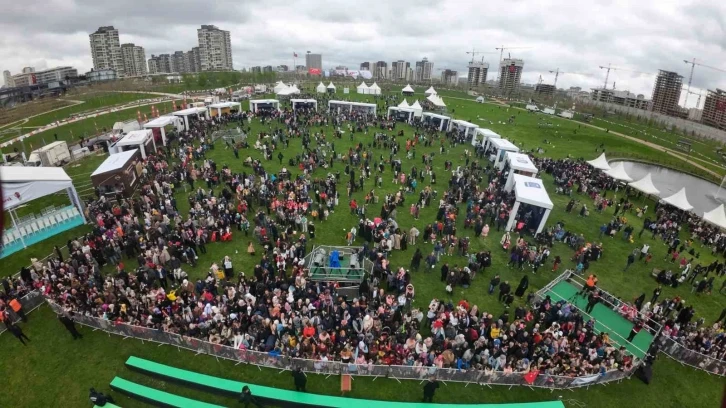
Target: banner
point(314, 71)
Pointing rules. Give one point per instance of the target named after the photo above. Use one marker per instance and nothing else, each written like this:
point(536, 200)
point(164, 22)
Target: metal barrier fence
point(692, 358)
point(30, 302)
point(398, 373)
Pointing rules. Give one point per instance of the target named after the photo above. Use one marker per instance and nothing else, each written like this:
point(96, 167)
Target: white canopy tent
point(645, 185)
point(467, 128)
point(257, 104)
point(480, 99)
point(303, 102)
point(679, 200)
point(21, 185)
point(439, 121)
point(138, 139)
point(430, 91)
point(374, 89)
point(224, 107)
point(519, 163)
point(197, 111)
point(279, 87)
point(320, 88)
point(486, 135)
point(601, 163)
point(618, 173)
point(404, 104)
point(436, 101)
point(331, 87)
point(348, 107)
point(417, 108)
point(402, 114)
point(362, 88)
point(407, 90)
point(158, 125)
point(530, 190)
point(501, 147)
point(290, 90)
point(716, 217)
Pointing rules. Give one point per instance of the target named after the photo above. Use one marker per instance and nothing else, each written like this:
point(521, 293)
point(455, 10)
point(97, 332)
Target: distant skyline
point(574, 36)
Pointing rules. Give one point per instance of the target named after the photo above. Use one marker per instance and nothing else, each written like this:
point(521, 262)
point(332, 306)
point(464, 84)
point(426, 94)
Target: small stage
point(337, 263)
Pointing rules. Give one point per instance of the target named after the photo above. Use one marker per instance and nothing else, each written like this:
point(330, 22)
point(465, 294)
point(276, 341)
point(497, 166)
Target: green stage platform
point(606, 319)
point(294, 398)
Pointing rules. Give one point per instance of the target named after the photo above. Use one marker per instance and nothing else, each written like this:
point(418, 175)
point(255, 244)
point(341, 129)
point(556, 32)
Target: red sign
point(512, 68)
point(314, 71)
point(721, 106)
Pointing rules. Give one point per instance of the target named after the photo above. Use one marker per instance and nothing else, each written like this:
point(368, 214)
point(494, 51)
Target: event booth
point(224, 108)
point(618, 173)
point(436, 101)
point(160, 125)
point(21, 185)
point(143, 140)
point(679, 200)
point(645, 185)
point(501, 147)
point(418, 110)
point(716, 217)
point(362, 88)
point(434, 119)
point(518, 163)
point(194, 112)
point(264, 104)
point(304, 104)
point(601, 163)
point(320, 88)
point(430, 91)
point(532, 206)
point(290, 90)
point(339, 107)
point(483, 136)
point(118, 173)
point(331, 88)
point(279, 86)
point(480, 99)
point(374, 89)
point(467, 129)
point(407, 90)
point(401, 114)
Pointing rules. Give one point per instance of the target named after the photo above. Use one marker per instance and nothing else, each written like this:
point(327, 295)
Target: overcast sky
point(574, 36)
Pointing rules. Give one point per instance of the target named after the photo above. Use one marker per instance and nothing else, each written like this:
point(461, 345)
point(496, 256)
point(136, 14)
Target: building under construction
point(477, 74)
point(545, 90)
point(714, 109)
point(667, 93)
point(624, 98)
point(510, 75)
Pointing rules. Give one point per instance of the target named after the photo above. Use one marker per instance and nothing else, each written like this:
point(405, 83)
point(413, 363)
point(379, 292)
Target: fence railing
point(692, 358)
point(419, 373)
point(29, 302)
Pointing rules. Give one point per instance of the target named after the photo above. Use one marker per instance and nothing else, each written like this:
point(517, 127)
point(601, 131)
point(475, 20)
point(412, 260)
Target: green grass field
point(64, 369)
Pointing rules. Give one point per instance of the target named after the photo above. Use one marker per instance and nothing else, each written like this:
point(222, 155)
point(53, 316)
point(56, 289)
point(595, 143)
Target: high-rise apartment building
point(134, 58)
point(313, 61)
point(215, 49)
point(424, 68)
point(381, 70)
point(153, 64)
point(477, 74)
point(32, 77)
point(192, 60)
point(179, 62)
point(282, 68)
point(256, 70)
point(545, 90)
point(8, 79)
point(267, 69)
point(714, 109)
point(449, 77)
point(365, 66)
point(106, 50)
point(667, 93)
point(399, 70)
point(510, 75)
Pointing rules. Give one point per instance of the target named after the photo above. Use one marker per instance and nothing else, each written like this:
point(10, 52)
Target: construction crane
point(474, 53)
point(690, 77)
point(502, 48)
point(609, 67)
point(557, 73)
point(689, 92)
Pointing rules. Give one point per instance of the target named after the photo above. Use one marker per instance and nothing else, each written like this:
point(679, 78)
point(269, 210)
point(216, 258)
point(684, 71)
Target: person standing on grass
point(300, 379)
point(16, 331)
point(430, 389)
point(656, 293)
point(644, 250)
point(70, 325)
point(631, 260)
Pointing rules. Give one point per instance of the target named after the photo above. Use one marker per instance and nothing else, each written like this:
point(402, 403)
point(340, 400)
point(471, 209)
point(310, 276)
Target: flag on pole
point(173, 105)
point(138, 116)
point(145, 118)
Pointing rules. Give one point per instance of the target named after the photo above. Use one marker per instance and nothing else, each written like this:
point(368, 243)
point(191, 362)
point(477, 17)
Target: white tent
point(362, 88)
point(601, 163)
point(162, 122)
point(295, 89)
point(256, 104)
point(519, 163)
point(405, 114)
point(21, 185)
point(440, 121)
point(331, 87)
point(186, 113)
point(436, 100)
point(530, 190)
point(618, 173)
point(716, 217)
point(224, 107)
point(679, 200)
point(374, 89)
point(430, 91)
point(339, 107)
point(143, 140)
point(480, 99)
point(320, 88)
point(404, 104)
point(296, 103)
point(417, 108)
point(279, 86)
point(486, 135)
point(407, 90)
point(501, 147)
point(467, 128)
point(645, 185)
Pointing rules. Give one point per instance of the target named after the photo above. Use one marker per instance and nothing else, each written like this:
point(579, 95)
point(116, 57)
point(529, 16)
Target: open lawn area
point(54, 368)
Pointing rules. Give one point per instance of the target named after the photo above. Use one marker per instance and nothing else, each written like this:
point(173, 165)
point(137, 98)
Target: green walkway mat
point(155, 396)
point(216, 384)
point(606, 319)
